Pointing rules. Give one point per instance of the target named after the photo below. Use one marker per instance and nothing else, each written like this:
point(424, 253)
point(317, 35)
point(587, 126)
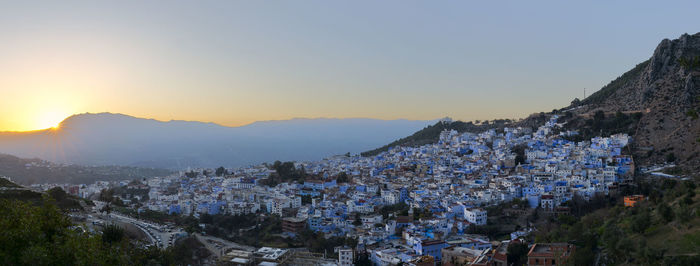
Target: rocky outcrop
point(666, 88)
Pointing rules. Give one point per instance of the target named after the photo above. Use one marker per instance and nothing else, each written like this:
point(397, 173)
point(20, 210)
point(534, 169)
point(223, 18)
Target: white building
point(547, 202)
point(371, 219)
point(345, 256)
point(390, 197)
point(296, 202)
point(475, 216)
point(276, 205)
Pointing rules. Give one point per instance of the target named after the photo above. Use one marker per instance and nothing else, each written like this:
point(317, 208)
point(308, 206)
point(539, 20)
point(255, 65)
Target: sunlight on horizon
point(50, 119)
point(238, 63)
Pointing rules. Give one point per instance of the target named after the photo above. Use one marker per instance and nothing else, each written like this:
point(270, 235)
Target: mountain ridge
point(79, 116)
point(660, 97)
point(431, 133)
point(667, 92)
point(118, 139)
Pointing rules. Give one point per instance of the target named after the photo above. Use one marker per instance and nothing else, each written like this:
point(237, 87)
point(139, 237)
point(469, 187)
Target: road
point(218, 246)
point(160, 235)
point(163, 236)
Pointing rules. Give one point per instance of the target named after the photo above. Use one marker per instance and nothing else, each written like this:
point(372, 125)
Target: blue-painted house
point(175, 208)
point(430, 247)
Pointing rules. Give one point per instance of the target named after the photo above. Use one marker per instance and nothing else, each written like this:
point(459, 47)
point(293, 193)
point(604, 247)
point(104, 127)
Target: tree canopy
point(39, 234)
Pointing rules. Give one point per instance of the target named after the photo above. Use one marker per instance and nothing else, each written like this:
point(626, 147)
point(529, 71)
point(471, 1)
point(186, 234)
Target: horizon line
point(213, 123)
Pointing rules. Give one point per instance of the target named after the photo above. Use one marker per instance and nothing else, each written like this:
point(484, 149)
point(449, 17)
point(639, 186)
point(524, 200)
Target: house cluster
point(410, 203)
point(81, 190)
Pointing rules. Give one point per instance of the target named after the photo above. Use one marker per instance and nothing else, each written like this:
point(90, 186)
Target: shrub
point(670, 157)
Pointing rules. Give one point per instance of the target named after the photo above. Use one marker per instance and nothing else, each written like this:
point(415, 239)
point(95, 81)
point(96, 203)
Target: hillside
point(663, 229)
point(31, 171)
point(4, 183)
point(657, 102)
point(608, 90)
point(116, 139)
point(666, 90)
point(431, 134)
point(11, 191)
point(37, 231)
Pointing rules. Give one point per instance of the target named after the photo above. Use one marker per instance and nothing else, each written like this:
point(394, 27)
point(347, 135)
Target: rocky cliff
point(666, 89)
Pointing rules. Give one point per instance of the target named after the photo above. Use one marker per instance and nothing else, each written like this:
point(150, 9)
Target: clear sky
point(235, 62)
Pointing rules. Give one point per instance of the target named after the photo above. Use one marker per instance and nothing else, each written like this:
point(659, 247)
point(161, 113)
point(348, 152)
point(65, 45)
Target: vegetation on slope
point(40, 234)
point(608, 90)
point(246, 229)
point(260, 230)
point(600, 125)
point(664, 229)
point(59, 197)
point(31, 171)
point(132, 190)
point(284, 172)
point(690, 63)
point(21, 194)
point(67, 201)
point(431, 134)
point(7, 183)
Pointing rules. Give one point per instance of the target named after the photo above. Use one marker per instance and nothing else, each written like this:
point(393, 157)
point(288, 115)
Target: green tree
point(519, 151)
point(306, 199)
point(357, 220)
point(626, 247)
point(517, 253)
point(583, 256)
point(42, 235)
point(665, 212)
point(599, 115)
point(683, 213)
point(670, 157)
point(191, 174)
point(641, 222)
point(362, 259)
point(106, 195)
point(112, 234)
point(342, 177)
point(611, 236)
point(285, 172)
point(221, 171)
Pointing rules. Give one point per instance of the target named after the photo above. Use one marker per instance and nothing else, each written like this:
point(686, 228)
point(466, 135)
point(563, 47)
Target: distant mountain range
point(117, 139)
point(663, 93)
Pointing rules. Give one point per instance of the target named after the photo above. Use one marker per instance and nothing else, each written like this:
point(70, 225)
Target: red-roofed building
point(548, 254)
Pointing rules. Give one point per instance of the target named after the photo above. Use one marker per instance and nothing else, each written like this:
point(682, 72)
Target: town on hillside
point(409, 205)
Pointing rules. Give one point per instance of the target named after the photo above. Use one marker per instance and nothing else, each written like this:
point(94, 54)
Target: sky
point(236, 62)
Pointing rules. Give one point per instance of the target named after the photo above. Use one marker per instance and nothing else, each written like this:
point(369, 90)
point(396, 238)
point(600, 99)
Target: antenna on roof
point(584, 93)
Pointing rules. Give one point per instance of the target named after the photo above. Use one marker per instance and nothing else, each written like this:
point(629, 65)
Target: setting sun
point(50, 119)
